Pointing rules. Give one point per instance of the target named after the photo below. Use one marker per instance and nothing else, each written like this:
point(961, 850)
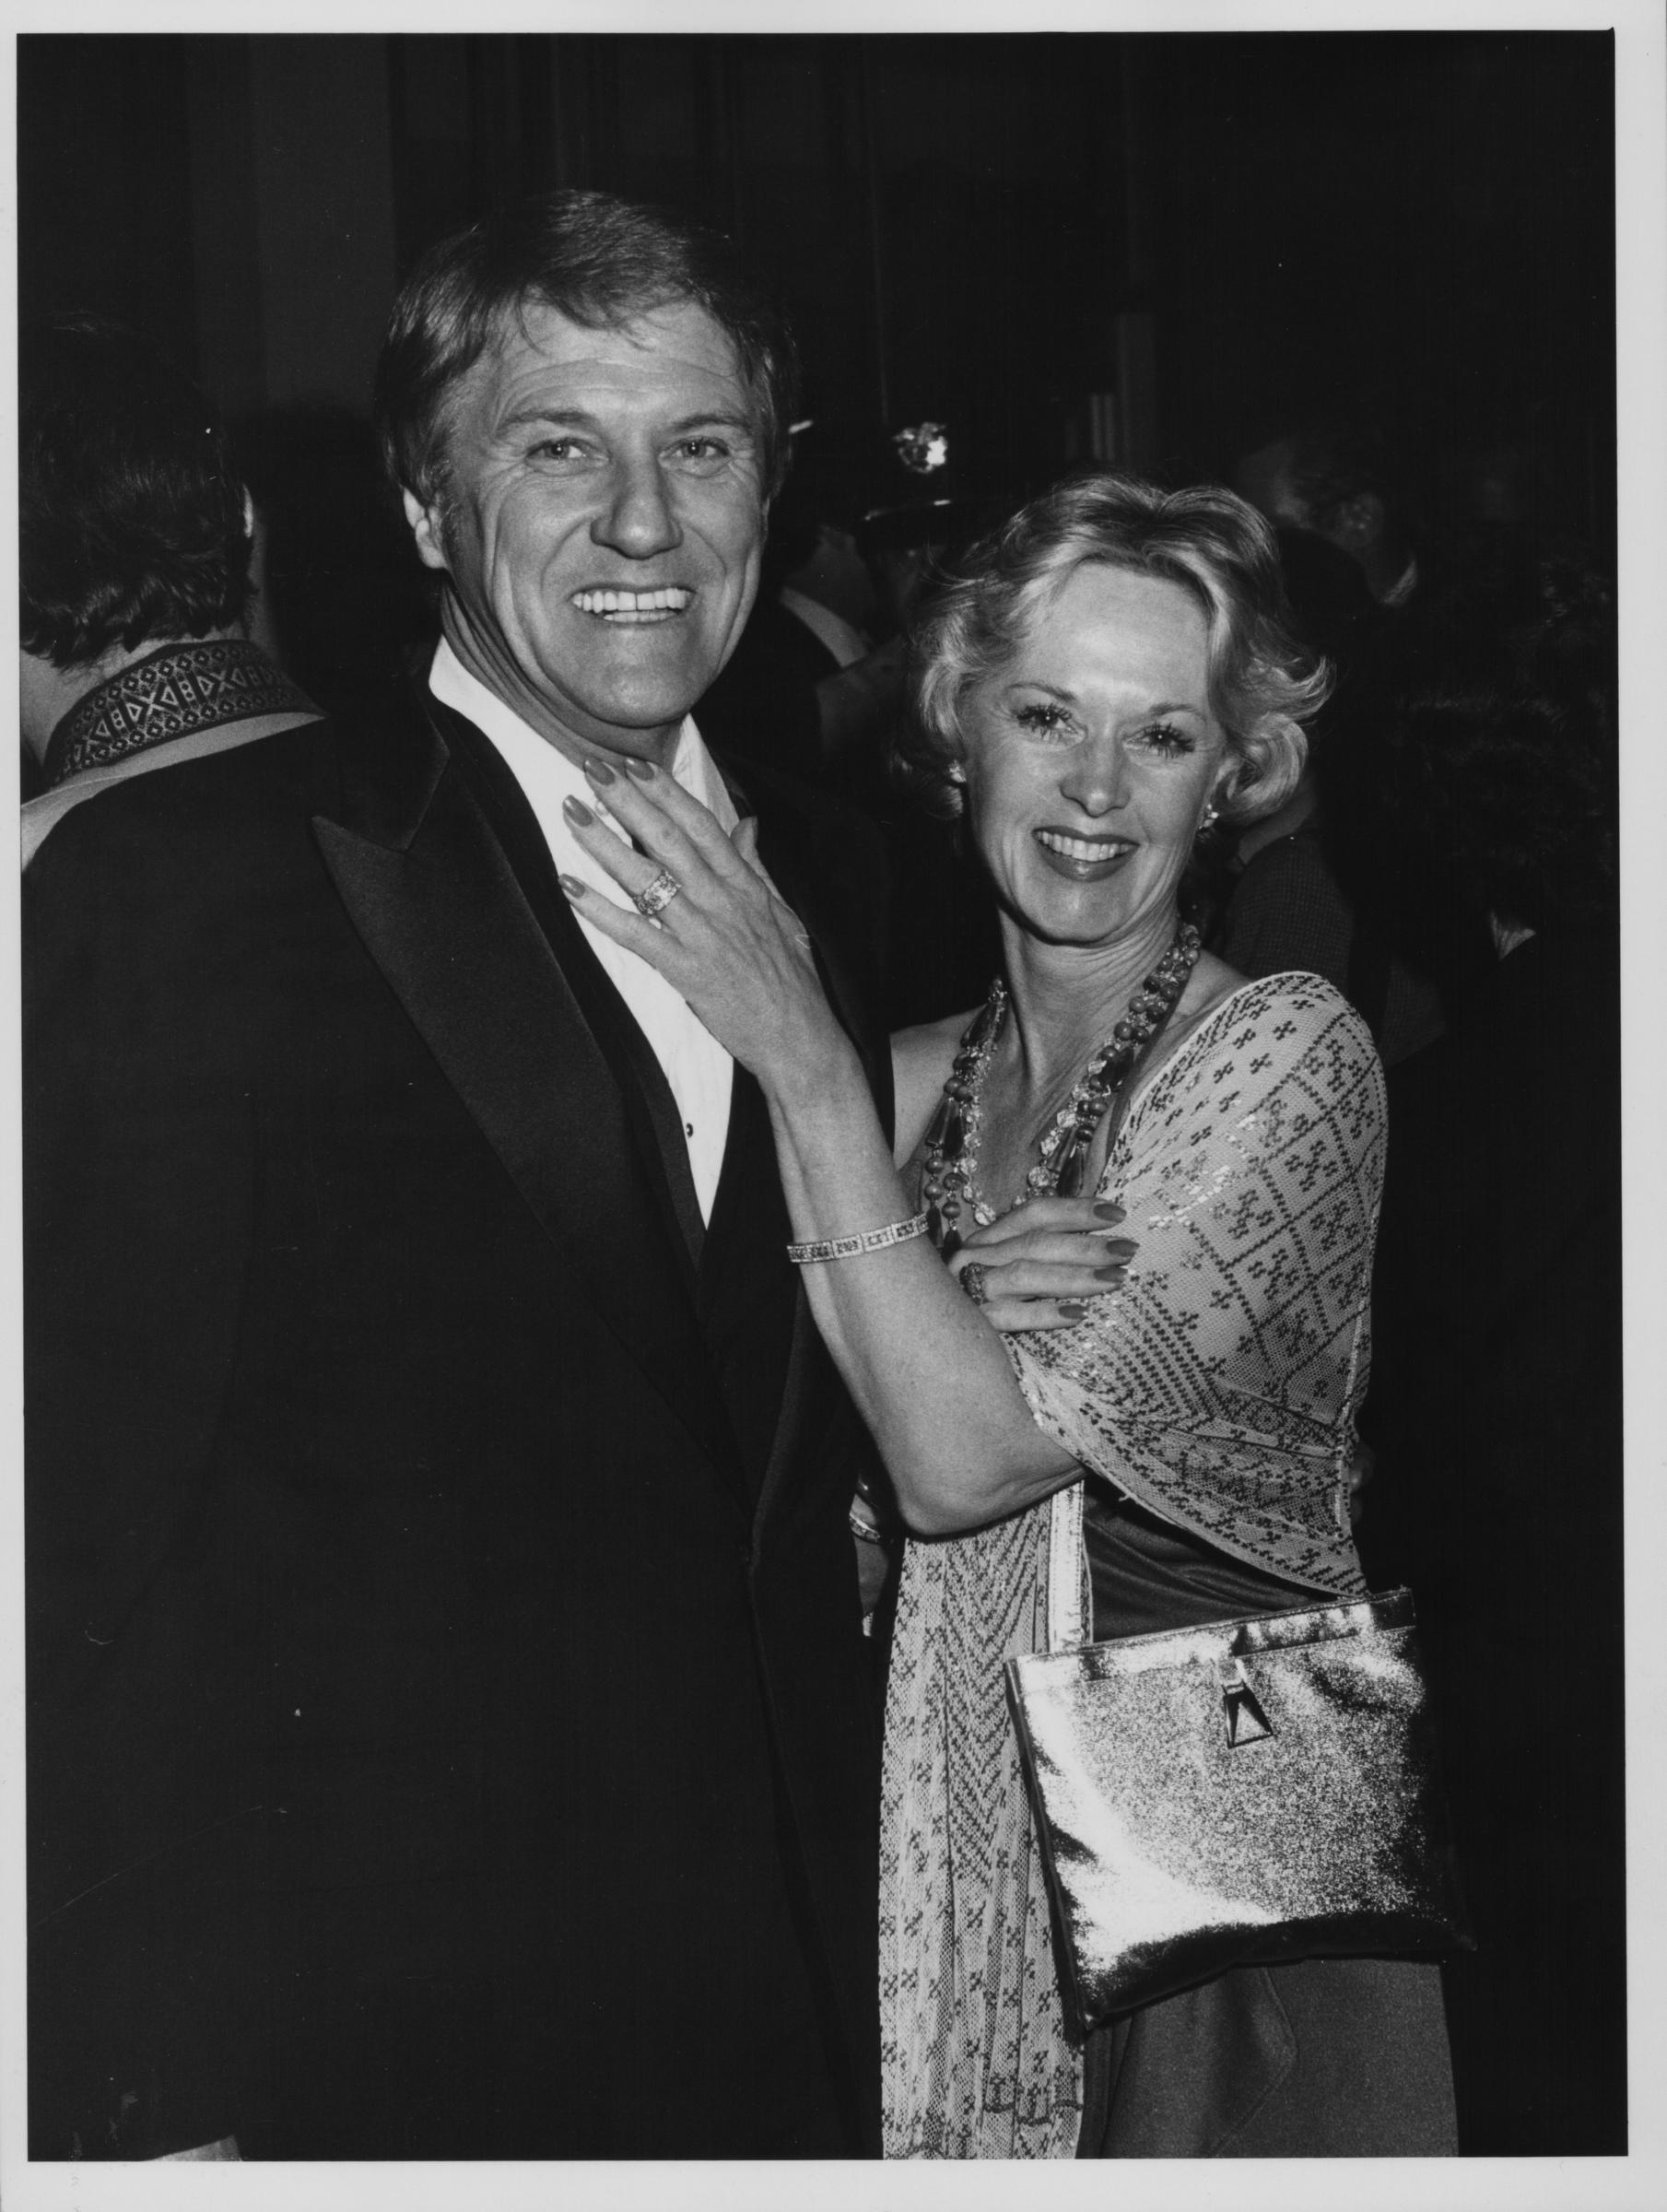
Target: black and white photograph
point(819, 1378)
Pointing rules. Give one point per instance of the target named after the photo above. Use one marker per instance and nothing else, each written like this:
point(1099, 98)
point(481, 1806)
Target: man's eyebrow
point(716, 419)
point(578, 418)
point(574, 419)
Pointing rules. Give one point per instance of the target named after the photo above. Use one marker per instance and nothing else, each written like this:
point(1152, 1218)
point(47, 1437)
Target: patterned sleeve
point(1219, 1388)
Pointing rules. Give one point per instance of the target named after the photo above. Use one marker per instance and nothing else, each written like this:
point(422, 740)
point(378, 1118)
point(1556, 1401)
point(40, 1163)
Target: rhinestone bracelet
point(848, 1248)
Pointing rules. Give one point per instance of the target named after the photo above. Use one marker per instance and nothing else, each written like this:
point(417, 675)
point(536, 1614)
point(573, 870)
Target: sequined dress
point(1212, 1403)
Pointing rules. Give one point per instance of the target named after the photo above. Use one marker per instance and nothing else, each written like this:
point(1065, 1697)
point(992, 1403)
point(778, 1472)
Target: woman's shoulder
point(1270, 1025)
point(921, 1061)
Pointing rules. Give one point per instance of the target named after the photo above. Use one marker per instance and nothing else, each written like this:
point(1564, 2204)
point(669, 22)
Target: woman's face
point(1091, 758)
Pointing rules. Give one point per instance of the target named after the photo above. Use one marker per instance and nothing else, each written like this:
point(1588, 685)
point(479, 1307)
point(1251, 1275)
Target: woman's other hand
point(1040, 1264)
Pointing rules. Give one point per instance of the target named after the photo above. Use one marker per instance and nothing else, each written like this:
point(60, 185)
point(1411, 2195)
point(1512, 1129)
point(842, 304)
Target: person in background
point(452, 1731)
point(1339, 478)
point(134, 572)
point(858, 527)
point(1306, 889)
point(812, 673)
point(1495, 1406)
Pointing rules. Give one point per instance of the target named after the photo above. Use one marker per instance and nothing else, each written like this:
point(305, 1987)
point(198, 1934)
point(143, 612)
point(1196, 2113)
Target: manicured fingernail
point(1070, 1310)
point(642, 770)
point(578, 812)
point(1120, 1248)
point(571, 886)
point(599, 772)
point(1108, 1210)
point(1108, 1275)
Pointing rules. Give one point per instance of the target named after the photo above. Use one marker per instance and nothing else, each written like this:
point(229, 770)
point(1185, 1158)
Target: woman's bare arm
point(926, 1367)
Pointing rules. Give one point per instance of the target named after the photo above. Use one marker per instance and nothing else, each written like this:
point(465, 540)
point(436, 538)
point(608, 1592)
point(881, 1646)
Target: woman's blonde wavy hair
point(1264, 683)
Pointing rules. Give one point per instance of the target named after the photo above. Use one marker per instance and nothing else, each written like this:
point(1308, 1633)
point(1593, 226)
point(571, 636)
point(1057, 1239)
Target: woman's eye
point(1046, 717)
point(1164, 738)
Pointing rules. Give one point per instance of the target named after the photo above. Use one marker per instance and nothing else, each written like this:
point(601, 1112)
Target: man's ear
point(1356, 522)
point(426, 529)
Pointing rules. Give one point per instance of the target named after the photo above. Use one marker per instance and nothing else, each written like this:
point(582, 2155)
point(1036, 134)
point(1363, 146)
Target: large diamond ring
point(660, 892)
point(972, 1282)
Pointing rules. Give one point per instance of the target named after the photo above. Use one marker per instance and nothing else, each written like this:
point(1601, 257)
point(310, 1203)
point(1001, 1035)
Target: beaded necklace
point(951, 1152)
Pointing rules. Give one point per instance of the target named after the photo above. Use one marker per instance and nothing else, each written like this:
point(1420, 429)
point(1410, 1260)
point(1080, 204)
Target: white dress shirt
point(697, 1066)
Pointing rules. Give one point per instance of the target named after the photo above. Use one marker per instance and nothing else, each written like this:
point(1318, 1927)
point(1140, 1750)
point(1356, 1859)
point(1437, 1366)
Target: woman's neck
point(1065, 999)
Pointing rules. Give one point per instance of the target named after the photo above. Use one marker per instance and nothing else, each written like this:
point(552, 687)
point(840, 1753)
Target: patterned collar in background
point(172, 692)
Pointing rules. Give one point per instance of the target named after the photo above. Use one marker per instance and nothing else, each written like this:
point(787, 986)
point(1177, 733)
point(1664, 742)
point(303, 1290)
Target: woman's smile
point(1084, 859)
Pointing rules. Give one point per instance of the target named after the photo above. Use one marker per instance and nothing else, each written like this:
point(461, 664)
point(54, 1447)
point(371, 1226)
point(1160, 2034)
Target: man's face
point(601, 525)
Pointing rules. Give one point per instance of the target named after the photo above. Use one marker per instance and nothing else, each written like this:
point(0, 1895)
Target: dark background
point(990, 231)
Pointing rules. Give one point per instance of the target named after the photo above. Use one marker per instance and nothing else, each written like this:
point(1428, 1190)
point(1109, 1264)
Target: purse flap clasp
point(1241, 1710)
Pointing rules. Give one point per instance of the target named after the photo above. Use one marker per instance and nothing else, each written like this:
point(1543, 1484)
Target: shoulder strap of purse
point(1067, 1569)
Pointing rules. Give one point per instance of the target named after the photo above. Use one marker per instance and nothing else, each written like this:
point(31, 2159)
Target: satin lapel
point(790, 1439)
point(442, 913)
point(747, 1290)
point(641, 1078)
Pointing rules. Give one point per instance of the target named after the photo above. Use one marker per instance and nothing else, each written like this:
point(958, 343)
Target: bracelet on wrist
point(849, 1248)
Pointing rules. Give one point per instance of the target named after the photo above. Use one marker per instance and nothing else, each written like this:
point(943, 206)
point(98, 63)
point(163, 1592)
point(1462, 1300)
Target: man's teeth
point(670, 599)
point(1082, 848)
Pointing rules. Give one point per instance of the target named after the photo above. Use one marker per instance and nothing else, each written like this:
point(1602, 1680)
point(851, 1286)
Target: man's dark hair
point(600, 262)
point(131, 514)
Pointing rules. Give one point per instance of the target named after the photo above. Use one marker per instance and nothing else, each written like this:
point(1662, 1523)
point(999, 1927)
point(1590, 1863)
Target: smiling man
point(451, 1730)
point(598, 521)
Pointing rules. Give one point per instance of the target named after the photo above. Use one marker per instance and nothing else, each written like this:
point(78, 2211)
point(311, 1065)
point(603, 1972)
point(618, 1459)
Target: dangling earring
point(1212, 815)
point(957, 774)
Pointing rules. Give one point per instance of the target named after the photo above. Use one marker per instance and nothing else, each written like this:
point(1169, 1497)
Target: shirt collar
point(842, 639)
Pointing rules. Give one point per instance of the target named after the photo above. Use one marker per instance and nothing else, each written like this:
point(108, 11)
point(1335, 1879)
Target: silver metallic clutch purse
point(1248, 1791)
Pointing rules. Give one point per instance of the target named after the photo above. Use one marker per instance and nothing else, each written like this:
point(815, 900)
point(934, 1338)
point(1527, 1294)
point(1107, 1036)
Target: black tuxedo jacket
point(450, 1729)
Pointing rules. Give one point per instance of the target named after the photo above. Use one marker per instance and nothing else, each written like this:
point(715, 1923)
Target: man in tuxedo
point(450, 1729)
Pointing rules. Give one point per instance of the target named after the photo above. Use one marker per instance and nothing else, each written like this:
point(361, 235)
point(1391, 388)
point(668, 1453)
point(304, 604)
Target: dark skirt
point(1320, 2058)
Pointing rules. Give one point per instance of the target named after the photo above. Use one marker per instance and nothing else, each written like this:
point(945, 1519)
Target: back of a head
point(132, 524)
point(600, 262)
